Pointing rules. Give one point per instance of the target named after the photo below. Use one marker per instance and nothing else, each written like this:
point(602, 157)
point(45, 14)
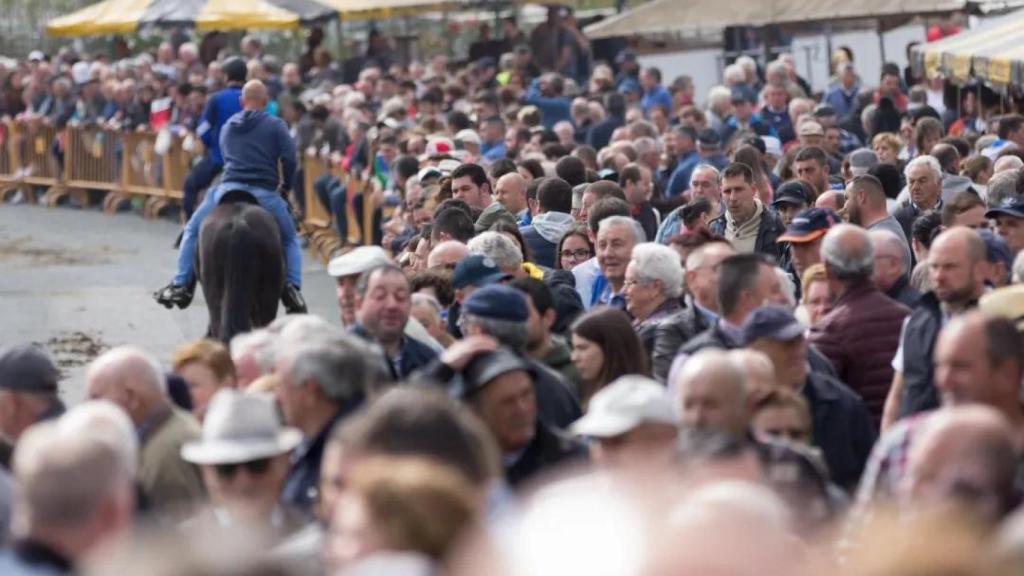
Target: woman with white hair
point(653, 286)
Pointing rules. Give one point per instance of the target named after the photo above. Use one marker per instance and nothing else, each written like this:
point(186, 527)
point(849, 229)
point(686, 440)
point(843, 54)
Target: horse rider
point(253, 144)
point(221, 107)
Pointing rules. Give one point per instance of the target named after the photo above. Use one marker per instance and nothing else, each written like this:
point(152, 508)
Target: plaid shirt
point(889, 462)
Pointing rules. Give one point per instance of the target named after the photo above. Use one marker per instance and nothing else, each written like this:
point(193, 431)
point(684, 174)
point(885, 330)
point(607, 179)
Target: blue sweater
point(554, 108)
point(219, 109)
point(252, 142)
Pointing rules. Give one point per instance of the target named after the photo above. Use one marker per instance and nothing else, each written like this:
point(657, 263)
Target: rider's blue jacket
point(252, 143)
point(219, 109)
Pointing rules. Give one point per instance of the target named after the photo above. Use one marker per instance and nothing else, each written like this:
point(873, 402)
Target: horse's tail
point(237, 302)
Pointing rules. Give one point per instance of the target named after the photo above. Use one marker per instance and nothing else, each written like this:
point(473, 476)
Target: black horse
point(240, 265)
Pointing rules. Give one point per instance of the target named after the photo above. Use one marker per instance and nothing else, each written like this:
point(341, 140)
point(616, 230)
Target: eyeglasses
point(581, 254)
point(252, 467)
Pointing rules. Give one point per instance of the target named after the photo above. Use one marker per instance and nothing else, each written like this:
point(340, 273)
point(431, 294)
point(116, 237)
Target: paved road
point(81, 281)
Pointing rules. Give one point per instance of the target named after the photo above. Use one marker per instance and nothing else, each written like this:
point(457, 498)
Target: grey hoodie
point(551, 225)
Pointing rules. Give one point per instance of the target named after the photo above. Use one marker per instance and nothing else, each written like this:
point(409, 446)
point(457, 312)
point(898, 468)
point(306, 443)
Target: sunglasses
point(252, 467)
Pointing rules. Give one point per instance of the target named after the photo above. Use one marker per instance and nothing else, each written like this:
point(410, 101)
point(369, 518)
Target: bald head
point(447, 254)
point(848, 254)
point(830, 199)
point(965, 456)
point(962, 240)
point(510, 192)
point(130, 378)
point(254, 95)
point(712, 393)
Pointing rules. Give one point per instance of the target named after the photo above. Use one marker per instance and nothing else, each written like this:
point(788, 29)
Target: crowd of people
point(602, 329)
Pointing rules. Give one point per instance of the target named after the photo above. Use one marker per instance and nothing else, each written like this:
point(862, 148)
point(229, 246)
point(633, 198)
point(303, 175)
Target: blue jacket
point(781, 122)
point(554, 108)
point(679, 181)
point(657, 96)
point(755, 125)
point(600, 134)
point(219, 109)
point(842, 101)
point(251, 143)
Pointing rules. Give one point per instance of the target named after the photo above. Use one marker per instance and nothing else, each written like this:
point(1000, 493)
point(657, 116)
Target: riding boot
point(176, 295)
point(293, 301)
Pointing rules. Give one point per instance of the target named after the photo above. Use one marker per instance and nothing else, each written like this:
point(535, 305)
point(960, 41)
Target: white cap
point(81, 72)
point(624, 404)
point(468, 136)
point(358, 261)
point(772, 146)
point(447, 166)
point(36, 55)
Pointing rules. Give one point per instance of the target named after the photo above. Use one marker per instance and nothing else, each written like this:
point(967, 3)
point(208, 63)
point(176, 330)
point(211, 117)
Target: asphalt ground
point(80, 282)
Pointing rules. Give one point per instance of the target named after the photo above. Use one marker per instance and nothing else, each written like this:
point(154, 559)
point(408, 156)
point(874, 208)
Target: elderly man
point(892, 276)
point(243, 455)
point(383, 304)
point(924, 181)
point(504, 251)
point(704, 183)
point(747, 223)
point(979, 360)
point(966, 455)
point(500, 387)
point(447, 255)
point(700, 312)
point(553, 218)
point(632, 423)
point(346, 270)
point(616, 237)
point(76, 491)
point(322, 379)
point(510, 192)
point(865, 364)
point(28, 392)
point(501, 314)
point(133, 380)
point(957, 269)
point(841, 425)
point(653, 285)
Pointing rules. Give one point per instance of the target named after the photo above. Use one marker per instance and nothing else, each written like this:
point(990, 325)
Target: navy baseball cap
point(476, 270)
point(629, 85)
point(709, 138)
point(484, 368)
point(742, 93)
point(773, 322)
point(1012, 206)
point(996, 249)
point(809, 225)
point(792, 192)
point(28, 368)
point(497, 302)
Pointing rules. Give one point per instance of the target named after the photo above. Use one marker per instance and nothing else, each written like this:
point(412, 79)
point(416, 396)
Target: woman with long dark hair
point(604, 347)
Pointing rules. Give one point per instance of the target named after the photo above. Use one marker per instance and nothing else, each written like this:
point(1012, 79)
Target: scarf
point(744, 235)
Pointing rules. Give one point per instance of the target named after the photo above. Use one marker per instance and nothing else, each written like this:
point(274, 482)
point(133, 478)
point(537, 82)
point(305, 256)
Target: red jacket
point(860, 337)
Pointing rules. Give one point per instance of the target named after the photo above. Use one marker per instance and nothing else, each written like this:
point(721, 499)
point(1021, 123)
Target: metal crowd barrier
point(79, 160)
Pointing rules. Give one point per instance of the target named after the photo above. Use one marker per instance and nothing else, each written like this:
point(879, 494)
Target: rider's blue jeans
point(272, 202)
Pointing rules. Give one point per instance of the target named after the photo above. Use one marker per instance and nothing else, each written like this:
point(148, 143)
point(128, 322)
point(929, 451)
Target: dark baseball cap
point(996, 249)
point(476, 270)
point(709, 138)
point(28, 368)
point(629, 85)
point(792, 192)
point(773, 322)
point(809, 225)
point(742, 93)
point(823, 111)
point(485, 367)
point(625, 56)
point(498, 302)
point(1012, 206)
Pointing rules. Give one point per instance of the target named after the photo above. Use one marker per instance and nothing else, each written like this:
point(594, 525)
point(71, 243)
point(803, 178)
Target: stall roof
point(673, 16)
point(993, 52)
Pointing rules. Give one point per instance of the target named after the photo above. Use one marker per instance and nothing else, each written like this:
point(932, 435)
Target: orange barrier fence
point(127, 166)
